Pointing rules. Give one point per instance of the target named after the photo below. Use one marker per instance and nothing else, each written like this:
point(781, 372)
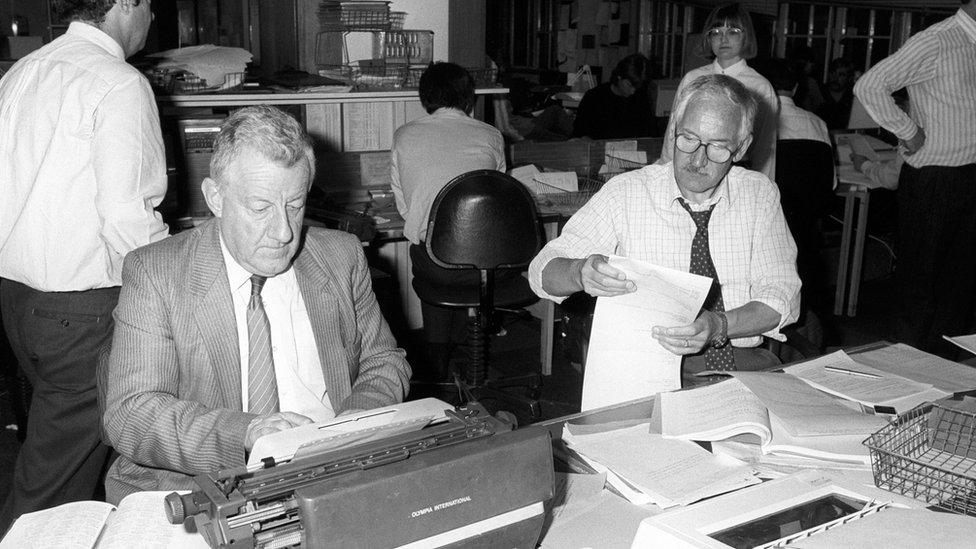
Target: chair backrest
point(483, 219)
point(805, 175)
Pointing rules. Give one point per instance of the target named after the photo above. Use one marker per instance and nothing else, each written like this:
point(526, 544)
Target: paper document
point(911, 363)
point(839, 375)
point(348, 430)
point(583, 514)
point(526, 176)
point(624, 361)
point(556, 182)
point(967, 342)
point(669, 472)
point(729, 410)
point(805, 411)
point(211, 63)
point(714, 412)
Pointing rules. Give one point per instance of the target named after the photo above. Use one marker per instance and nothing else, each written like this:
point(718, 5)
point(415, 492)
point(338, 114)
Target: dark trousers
point(56, 337)
point(442, 325)
point(936, 269)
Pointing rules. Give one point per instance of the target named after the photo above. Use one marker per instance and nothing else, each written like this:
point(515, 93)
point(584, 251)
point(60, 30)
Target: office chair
point(484, 220)
point(805, 177)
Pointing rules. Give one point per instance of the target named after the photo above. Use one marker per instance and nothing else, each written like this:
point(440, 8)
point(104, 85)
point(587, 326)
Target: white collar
point(96, 35)
point(733, 69)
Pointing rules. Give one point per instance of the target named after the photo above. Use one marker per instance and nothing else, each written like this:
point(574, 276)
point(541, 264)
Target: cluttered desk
point(758, 459)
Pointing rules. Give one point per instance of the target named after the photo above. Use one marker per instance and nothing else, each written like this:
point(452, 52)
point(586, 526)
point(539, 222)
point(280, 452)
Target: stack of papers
point(884, 390)
point(646, 468)
point(782, 415)
point(210, 63)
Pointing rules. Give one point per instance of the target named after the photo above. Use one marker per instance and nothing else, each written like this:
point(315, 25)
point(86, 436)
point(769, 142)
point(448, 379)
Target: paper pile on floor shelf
point(646, 468)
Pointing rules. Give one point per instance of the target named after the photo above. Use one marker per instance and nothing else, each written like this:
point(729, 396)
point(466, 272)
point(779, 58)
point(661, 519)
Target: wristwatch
point(722, 337)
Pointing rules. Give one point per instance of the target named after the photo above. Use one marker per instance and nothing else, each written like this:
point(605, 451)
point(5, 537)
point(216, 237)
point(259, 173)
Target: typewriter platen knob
point(175, 510)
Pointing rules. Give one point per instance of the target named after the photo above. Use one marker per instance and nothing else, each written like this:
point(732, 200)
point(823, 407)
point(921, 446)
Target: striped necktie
point(262, 388)
point(716, 358)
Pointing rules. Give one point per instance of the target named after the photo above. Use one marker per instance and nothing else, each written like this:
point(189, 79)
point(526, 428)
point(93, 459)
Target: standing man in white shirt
point(937, 186)
point(83, 169)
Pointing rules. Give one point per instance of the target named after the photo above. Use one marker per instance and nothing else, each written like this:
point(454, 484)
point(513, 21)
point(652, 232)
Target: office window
point(865, 35)
point(663, 36)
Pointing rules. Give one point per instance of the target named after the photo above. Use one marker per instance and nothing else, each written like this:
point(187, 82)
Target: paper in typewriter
point(624, 361)
point(344, 431)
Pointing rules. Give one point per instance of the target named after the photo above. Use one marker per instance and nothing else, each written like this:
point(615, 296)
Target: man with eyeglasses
point(697, 213)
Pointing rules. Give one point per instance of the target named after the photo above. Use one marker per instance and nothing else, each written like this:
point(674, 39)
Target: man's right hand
point(913, 145)
point(599, 279)
point(265, 425)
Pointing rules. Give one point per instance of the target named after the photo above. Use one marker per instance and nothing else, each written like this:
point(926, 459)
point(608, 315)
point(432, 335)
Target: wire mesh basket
point(367, 15)
point(376, 77)
point(396, 20)
point(568, 202)
point(928, 453)
point(483, 77)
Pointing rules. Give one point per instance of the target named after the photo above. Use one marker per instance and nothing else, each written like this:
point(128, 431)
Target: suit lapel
point(318, 290)
point(214, 314)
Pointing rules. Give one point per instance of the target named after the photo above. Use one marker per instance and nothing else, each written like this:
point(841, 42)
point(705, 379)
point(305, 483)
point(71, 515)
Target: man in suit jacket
point(189, 384)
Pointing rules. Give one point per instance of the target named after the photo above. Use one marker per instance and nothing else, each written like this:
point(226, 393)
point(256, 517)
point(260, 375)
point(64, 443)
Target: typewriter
point(471, 481)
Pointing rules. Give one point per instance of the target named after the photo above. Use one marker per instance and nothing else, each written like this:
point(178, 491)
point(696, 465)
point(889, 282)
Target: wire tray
point(483, 77)
point(354, 16)
point(928, 453)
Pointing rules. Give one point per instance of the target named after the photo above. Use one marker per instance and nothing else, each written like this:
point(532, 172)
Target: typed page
point(625, 361)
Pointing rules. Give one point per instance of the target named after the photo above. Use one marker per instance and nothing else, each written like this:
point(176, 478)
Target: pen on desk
point(850, 372)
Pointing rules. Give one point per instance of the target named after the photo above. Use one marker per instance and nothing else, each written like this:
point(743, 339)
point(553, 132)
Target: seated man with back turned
point(697, 214)
point(245, 325)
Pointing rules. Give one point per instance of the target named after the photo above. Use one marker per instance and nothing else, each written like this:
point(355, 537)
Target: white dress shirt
point(431, 151)
point(762, 152)
point(637, 215)
point(797, 123)
point(83, 164)
point(938, 65)
point(298, 370)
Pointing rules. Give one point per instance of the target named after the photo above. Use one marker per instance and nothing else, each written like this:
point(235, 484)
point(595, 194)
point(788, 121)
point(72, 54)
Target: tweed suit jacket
point(172, 395)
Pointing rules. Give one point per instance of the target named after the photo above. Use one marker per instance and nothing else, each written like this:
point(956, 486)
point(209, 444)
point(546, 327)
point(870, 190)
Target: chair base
point(493, 389)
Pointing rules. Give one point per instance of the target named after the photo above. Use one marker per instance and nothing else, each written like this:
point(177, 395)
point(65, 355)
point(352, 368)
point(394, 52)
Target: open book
point(139, 521)
point(788, 419)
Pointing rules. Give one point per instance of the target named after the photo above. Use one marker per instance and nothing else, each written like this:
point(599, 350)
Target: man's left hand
point(691, 338)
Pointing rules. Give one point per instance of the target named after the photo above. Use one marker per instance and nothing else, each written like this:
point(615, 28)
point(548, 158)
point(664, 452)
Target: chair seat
point(512, 292)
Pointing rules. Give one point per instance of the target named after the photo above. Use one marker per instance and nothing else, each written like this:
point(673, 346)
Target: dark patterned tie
point(716, 358)
point(262, 389)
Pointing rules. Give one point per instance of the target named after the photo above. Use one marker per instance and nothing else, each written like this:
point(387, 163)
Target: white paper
point(526, 176)
point(967, 342)
point(714, 412)
point(624, 361)
point(920, 366)
point(670, 472)
point(367, 126)
point(870, 391)
point(209, 62)
point(347, 430)
point(554, 182)
point(139, 521)
point(805, 411)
